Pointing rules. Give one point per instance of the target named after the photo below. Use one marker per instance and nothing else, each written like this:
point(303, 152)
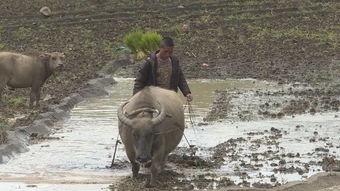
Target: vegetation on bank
point(16, 102)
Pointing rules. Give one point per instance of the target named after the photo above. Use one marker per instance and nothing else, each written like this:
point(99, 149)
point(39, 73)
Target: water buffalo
point(151, 125)
point(22, 71)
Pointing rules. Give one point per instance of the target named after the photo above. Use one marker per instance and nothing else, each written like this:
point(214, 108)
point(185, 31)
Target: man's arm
point(183, 85)
point(142, 77)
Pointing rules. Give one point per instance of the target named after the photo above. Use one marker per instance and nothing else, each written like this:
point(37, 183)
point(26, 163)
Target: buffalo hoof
point(135, 175)
point(148, 184)
point(135, 170)
point(151, 183)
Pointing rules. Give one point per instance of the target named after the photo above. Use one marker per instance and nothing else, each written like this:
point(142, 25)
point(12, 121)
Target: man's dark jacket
point(146, 75)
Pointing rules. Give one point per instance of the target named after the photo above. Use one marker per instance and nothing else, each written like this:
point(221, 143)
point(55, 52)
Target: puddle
point(79, 158)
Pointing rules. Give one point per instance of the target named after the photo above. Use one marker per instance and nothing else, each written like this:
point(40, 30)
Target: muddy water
point(203, 92)
point(79, 158)
point(325, 128)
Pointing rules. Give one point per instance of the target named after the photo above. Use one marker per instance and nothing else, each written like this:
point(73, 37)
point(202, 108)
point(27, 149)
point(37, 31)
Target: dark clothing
point(146, 76)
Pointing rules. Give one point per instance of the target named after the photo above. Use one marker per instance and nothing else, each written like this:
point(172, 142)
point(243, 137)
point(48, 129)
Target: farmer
point(162, 69)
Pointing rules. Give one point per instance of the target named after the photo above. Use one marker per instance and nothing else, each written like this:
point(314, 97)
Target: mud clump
point(247, 105)
point(165, 180)
point(289, 170)
point(255, 133)
point(221, 150)
point(296, 107)
point(261, 185)
point(170, 180)
point(190, 161)
point(118, 164)
point(321, 149)
point(330, 164)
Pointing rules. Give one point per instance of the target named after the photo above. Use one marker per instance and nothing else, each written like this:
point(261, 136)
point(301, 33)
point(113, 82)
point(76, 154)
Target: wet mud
point(287, 100)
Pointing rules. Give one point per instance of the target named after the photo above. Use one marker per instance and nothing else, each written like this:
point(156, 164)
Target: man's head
point(166, 48)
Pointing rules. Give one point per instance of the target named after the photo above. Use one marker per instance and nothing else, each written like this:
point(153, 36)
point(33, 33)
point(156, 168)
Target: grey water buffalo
point(23, 71)
point(151, 125)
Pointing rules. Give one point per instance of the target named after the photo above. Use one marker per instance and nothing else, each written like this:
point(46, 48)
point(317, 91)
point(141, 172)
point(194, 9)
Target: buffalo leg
point(3, 82)
point(37, 98)
point(155, 168)
point(135, 169)
point(34, 96)
point(162, 163)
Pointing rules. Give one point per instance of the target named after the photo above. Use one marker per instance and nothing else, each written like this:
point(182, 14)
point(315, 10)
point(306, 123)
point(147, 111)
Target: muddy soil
point(236, 39)
point(246, 156)
point(289, 100)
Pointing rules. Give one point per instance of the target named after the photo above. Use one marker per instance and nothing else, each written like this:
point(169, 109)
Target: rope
point(176, 130)
point(114, 154)
point(191, 115)
point(190, 145)
point(192, 122)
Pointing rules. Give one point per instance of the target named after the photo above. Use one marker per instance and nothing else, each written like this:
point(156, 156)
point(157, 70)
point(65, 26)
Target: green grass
point(43, 27)
point(177, 29)
point(246, 2)
point(87, 33)
point(16, 102)
point(2, 46)
point(320, 35)
point(242, 16)
point(22, 33)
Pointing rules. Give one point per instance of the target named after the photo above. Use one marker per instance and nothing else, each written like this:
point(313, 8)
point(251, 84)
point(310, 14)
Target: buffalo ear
point(45, 58)
point(58, 54)
point(44, 55)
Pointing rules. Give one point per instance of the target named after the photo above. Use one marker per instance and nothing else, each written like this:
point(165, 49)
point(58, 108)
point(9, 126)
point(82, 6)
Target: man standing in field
point(162, 69)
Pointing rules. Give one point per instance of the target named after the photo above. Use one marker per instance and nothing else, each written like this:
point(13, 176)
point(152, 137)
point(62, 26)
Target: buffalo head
point(53, 60)
point(142, 130)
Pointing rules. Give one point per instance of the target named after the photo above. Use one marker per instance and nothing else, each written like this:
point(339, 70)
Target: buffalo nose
point(142, 159)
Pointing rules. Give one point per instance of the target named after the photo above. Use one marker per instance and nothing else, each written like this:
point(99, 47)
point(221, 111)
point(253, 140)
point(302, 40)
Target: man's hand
point(189, 97)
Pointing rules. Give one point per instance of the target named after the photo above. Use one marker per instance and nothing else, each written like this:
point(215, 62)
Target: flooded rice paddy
point(248, 153)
